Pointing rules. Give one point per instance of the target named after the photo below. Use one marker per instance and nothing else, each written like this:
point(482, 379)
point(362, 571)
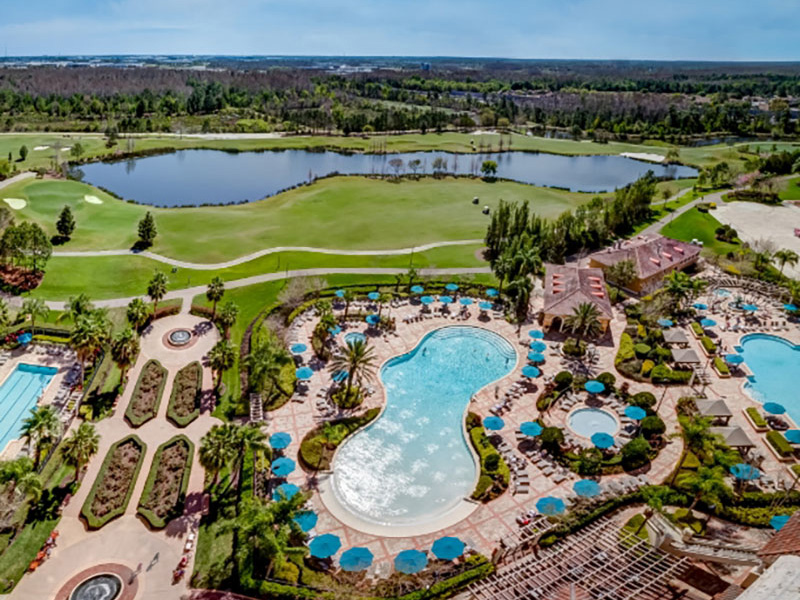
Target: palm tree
point(707, 484)
point(249, 438)
point(503, 267)
point(384, 299)
point(348, 298)
point(217, 449)
point(528, 261)
point(264, 365)
point(124, 349)
point(697, 439)
point(520, 291)
point(30, 486)
point(80, 446)
point(79, 305)
point(584, 320)
point(88, 336)
point(214, 293)
point(34, 308)
point(221, 358)
point(5, 317)
point(622, 273)
point(656, 498)
point(137, 313)
point(678, 286)
point(41, 428)
point(157, 289)
point(358, 360)
point(227, 316)
point(786, 257)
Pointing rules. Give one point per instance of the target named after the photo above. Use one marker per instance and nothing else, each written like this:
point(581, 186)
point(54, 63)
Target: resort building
point(654, 257)
point(566, 287)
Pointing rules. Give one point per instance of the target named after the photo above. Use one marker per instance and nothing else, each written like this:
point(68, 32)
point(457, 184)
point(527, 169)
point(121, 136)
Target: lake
point(193, 177)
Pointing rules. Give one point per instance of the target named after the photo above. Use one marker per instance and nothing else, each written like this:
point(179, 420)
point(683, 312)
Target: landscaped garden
point(146, 396)
point(165, 488)
point(184, 402)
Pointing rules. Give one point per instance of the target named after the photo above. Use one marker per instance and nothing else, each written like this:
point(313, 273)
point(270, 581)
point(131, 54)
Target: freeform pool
point(588, 421)
point(413, 464)
point(18, 394)
point(774, 363)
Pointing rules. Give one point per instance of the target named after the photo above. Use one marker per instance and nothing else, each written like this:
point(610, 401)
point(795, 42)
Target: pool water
point(722, 293)
point(354, 336)
point(18, 394)
point(775, 364)
point(588, 421)
point(413, 463)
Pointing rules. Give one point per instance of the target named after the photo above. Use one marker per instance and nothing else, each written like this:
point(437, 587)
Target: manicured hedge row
point(708, 345)
point(156, 521)
point(150, 370)
point(494, 478)
point(777, 441)
point(756, 418)
point(721, 367)
point(96, 522)
point(186, 391)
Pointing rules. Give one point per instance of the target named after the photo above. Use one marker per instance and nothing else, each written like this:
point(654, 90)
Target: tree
point(124, 349)
point(697, 439)
point(358, 360)
point(247, 438)
point(635, 453)
point(707, 484)
point(5, 317)
point(77, 150)
point(41, 428)
point(656, 497)
point(227, 316)
point(621, 273)
point(214, 293)
point(264, 364)
point(80, 446)
point(147, 230)
point(34, 308)
point(489, 168)
point(79, 305)
point(221, 358)
point(584, 320)
point(137, 313)
point(785, 257)
point(23, 152)
point(503, 267)
point(520, 292)
point(88, 336)
point(681, 288)
point(217, 449)
point(65, 224)
point(157, 289)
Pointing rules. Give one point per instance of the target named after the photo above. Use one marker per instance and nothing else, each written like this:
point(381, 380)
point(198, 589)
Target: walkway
point(16, 179)
point(656, 227)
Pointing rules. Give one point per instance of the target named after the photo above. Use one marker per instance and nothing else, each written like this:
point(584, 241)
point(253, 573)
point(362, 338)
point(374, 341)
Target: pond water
point(193, 177)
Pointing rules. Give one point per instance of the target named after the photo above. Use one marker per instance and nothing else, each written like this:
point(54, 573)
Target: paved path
point(656, 227)
point(264, 252)
point(16, 178)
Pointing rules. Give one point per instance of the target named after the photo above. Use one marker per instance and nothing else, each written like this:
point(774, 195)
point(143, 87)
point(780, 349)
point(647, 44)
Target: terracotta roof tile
point(567, 286)
point(650, 254)
point(785, 541)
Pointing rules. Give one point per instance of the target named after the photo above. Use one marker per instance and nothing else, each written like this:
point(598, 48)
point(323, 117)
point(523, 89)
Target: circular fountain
point(105, 586)
point(180, 337)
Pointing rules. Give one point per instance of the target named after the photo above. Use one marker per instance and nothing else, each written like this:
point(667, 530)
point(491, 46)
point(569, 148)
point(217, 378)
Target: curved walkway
point(266, 251)
point(16, 178)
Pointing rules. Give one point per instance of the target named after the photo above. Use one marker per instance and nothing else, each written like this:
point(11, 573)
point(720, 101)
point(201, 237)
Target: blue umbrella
point(749, 307)
point(427, 300)
point(790, 307)
point(306, 520)
point(417, 289)
point(588, 488)
point(25, 338)
point(602, 440)
point(339, 293)
point(708, 322)
point(374, 296)
point(536, 334)
point(445, 299)
point(282, 466)
point(493, 423)
point(373, 319)
point(594, 387)
point(531, 428)
point(530, 372)
point(298, 348)
point(537, 346)
point(734, 359)
point(304, 373)
point(339, 376)
point(486, 305)
point(536, 357)
point(550, 505)
point(280, 440)
point(451, 287)
point(774, 408)
point(635, 412)
point(355, 559)
point(665, 323)
point(492, 293)
point(335, 330)
point(792, 436)
point(745, 472)
point(285, 491)
point(778, 521)
point(410, 561)
point(700, 306)
point(465, 301)
point(448, 548)
point(325, 546)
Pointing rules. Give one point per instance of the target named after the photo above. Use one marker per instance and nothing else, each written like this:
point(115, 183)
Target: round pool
point(353, 337)
point(722, 293)
point(100, 587)
point(588, 421)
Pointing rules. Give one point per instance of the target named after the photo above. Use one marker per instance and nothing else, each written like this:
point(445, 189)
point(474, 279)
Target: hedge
point(313, 448)
point(94, 522)
point(756, 417)
point(647, 368)
point(777, 441)
point(663, 374)
point(137, 421)
point(708, 345)
point(697, 329)
point(492, 482)
point(179, 388)
point(152, 518)
point(721, 367)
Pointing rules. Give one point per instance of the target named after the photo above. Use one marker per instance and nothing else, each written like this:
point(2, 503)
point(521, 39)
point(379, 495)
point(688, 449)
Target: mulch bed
point(167, 487)
point(19, 278)
point(186, 390)
point(117, 479)
point(148, 390)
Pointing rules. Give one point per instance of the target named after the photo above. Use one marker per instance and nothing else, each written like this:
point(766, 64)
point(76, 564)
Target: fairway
point(694, 224)
point(342, 213)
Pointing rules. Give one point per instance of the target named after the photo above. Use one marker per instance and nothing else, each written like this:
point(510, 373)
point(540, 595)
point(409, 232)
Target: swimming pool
point(354, 336)
point(588, 421)
point(18, 394)
point(413, 464)
point(774, 363)
point(722, 293)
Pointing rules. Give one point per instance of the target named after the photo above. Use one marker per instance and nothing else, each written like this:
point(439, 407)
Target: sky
point(594, 29)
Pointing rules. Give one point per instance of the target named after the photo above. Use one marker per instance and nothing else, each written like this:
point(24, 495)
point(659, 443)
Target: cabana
point(676, 336)
point(716, 409)
point(735, 437)
point(685, 356)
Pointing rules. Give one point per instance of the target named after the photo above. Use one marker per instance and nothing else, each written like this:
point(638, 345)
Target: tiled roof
point(567, 286)
point(650, 254)
point(731, 593)
point(713, 408)
point(785, 541)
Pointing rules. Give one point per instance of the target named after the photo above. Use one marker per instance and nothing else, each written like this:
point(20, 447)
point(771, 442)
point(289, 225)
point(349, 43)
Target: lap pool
point(775, 363)
point(413, 465)
point(18, 394)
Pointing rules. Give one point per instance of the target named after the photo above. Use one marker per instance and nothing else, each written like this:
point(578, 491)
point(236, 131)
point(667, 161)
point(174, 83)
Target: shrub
point(589, 462)
point(287, 571)
point(165, 490)
point(563, 380)
point(643, 400)
point(756, 417)
point(625, 351)
point(708, 344)
point(146, 396)
point(184, 402)
point(608, 380)
point(319, 444)
point(663, 374)
point(489, 457)
point(635, 453)
point(574, 347)
point(492, 462)
point(686, 406)
point(777, 441)
point(642, 350)
point(551, 439)
point(652, 425)
point(663, 354)
point(720, 366)
point(647, 367)
point(698, 329)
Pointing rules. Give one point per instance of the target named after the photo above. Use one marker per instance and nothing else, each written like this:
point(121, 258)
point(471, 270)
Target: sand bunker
point(649, 157)
point(92, 199)
point(15, 203)
point(40, 148)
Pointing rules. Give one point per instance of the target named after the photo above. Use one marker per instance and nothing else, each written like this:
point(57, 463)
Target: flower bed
point(146, 396)
point(184, 402)
point(113, 487)
point(165, 490)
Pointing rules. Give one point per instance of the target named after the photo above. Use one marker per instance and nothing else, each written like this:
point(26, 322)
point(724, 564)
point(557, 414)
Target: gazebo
point(676, 336)
point(716, 409)
point(735, 437)
point(685, 356)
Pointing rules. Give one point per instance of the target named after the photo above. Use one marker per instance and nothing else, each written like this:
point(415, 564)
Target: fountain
point(180, 337)
point(100, 587)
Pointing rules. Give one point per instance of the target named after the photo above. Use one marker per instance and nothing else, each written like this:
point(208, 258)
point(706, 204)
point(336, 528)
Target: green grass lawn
point(694, 224)
point(340, 213)
point(791, 189)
